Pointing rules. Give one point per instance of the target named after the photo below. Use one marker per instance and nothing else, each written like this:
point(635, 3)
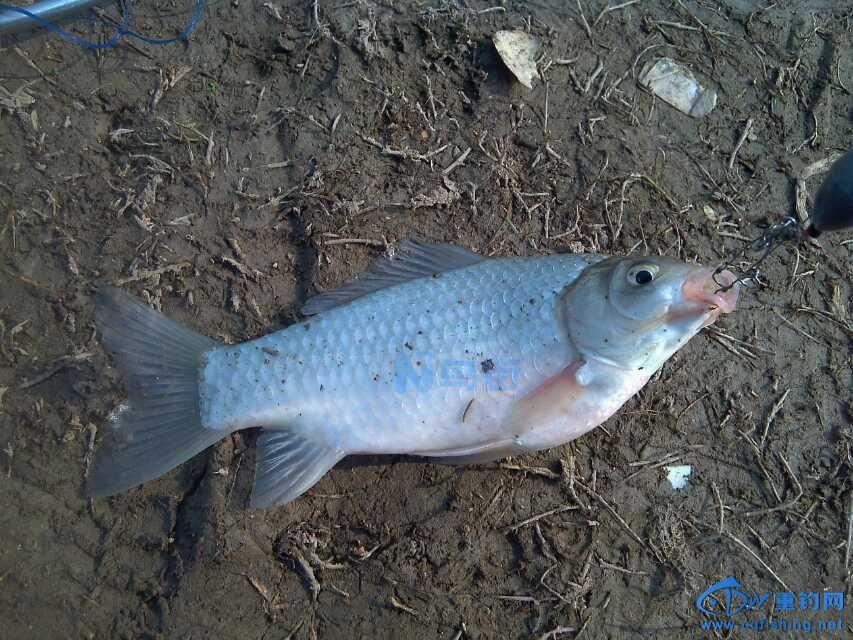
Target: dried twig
point(849, 550)
point(760, 462)
point(307, 571)
point(458, 162)
point(777, 406)
point(145, 274)
point(758, 559)
point(584, 22)
point(616, 7)
point(367, 241)
point(722, 507)
point(730, 344)
point(844, 324)
point(243, 270)
point(405, 152)
point(785, 506)
point(556, 632)
point(746, 129)
point(58, 365)
point(620, 520)
point(536, 518)
point(536, 471)
point(402, 607)
point(796, 328)
point(322, 29)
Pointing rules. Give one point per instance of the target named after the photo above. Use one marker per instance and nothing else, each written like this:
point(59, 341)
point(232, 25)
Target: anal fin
point(288, 464)
point(498, 451)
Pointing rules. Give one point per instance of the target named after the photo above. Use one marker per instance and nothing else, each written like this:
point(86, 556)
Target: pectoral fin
point(551, 401)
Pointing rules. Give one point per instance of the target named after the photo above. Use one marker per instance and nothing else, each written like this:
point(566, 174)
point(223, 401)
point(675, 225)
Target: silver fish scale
point(396, 371)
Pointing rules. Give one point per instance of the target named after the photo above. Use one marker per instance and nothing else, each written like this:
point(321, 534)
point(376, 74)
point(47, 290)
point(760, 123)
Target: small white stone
point(678, 475)
point(518, 50)
point(676, 85)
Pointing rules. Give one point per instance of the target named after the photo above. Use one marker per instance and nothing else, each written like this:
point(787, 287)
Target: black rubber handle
point(833, 206)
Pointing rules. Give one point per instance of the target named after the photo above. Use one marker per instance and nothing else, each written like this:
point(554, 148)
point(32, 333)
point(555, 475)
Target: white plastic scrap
point(518, 51)
point(116, 413)
point(676, 85)
point(678, 475)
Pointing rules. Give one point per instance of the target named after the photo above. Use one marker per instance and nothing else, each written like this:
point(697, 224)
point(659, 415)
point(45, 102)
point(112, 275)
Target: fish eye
point(642, 274)
point(644, 277)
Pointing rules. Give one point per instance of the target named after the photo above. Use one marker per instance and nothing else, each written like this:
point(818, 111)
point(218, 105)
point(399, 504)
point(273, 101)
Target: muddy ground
point(274, 156)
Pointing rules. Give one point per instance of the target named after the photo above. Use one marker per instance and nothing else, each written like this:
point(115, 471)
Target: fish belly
point(430, 366)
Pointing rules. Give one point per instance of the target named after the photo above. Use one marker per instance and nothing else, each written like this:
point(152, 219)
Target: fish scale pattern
point(396, 371)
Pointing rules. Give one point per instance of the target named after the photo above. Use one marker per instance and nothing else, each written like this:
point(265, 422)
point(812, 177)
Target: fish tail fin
point(160, 427)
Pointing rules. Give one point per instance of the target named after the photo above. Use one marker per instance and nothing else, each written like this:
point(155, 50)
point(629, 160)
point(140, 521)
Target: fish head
point(635, 312)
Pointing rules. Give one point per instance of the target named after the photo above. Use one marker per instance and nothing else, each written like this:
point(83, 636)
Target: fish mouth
point(711, 293)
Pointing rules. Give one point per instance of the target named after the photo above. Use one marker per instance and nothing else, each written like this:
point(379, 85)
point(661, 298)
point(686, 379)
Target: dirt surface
point(275, 156)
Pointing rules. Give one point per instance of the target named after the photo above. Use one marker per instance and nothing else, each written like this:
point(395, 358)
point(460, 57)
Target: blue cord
point(121, 31)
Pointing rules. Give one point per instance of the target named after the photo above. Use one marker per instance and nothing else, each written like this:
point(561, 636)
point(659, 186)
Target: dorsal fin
point(410, 260)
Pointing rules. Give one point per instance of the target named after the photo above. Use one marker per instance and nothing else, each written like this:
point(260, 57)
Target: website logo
point(728, 597)
point(422, 372)
point(730, 606)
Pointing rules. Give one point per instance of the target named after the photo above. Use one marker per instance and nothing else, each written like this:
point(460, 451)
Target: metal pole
point(12, 22)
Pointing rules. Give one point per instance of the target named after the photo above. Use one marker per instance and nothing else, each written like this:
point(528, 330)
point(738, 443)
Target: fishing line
point(122, 31)
point(832, 211)
point(764, 245)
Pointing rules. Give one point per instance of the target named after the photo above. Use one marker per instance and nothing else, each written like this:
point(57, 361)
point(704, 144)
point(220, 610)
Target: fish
point(435, 351)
